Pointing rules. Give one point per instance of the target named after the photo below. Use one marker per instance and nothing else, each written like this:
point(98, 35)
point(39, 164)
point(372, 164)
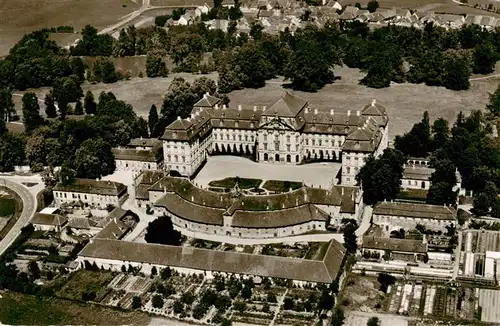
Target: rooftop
point(323, 271)
point(91, 186)
point(132, 154)
point(415, 211)
point(417, 172)
point(48, 219)
point(393, 244)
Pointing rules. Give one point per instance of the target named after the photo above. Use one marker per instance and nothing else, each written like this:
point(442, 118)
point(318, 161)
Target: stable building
point(288, 132)
point(398, 215)
point(90, 192)
point(48, 222)
point(254, 216)
point(394, 249)
point(113, 254)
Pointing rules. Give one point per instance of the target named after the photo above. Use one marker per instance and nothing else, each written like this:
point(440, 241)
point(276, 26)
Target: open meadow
point(19, 17)
point(405, 103)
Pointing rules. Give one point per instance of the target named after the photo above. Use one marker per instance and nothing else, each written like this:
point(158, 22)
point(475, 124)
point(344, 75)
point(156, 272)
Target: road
point(29, 208)
point(127, 19)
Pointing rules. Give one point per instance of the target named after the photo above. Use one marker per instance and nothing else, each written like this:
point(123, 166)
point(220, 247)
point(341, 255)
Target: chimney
point(192, 198)
point(179, 117)
point(348, 112)
point(205, 95)
point(404, 165)
point(374, 101)
point(358, 113)
point(164, 189)
point(264, 108)
point(224, 107)
point(239, 107)
point(188, 119)
point(332, 112)
point(255, 108)
point(305, 197)
point(315, 111)
point(352, 195)
point(307, 110)
point(342, 191)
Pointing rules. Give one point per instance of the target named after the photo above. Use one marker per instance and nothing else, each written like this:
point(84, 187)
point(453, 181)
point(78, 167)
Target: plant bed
point(281, 186)
point(231, 182)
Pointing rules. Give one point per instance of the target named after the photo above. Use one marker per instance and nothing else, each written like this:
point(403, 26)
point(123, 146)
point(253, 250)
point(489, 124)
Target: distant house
point(187, 19)
point(451, 21)
point(349, 13)
point(416, 177)
point(48, 222)
point(332, 4)
point(90, 192)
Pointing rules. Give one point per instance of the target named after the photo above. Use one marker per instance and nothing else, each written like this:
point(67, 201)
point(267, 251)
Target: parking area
point(314, 175)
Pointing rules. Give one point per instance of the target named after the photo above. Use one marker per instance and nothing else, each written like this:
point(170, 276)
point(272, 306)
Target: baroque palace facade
point(288, 132)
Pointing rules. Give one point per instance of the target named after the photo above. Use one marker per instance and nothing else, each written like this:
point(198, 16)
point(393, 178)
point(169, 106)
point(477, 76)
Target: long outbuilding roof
point(308, 270)
point(410, 210)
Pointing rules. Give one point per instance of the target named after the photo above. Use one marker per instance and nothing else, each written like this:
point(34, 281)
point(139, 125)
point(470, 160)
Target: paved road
point(29, 208)
point(133, 15)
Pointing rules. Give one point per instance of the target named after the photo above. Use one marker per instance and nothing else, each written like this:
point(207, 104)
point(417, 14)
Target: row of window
point(240, 137)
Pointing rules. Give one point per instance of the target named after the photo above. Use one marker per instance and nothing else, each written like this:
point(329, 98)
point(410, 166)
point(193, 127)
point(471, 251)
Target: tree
point(288, 304)
point(441, 133)
point(89, 103)
point(78, 68)
point(31, 112)
point(380, 177)
point(456, 73)
point(494, 105)
point(271, 297)
point(417, 142)
point(326, 301)
point(372, 5)
point(155, 66)
point(3, 128)
point(136, 302)
point(178, 101)
point(104, 71)
point(484, 59)
point(246, 292)
point(79, 108)
point(162, 231)
point(154, 271)
point(11, 152)
point(153, 120)
point(157, 301)
point(50, 106)
point(34, 269)
point(373, 321)
point(166, 273)
point(66, 90)
point(202, 86)
point(385, 281)
point(178, 307)
point(7, 107)
point(350, 239)
point(256, 31)
point(94, 159)
point(338, 317)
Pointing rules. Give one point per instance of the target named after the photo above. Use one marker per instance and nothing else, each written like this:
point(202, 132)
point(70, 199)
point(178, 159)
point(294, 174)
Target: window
point(239, 137)
point(265, 137)
point(183, 159)
point(227, 137)
point(319, 142)
point(216, 136)
point(348, 170)
point(288, 147)
point(176, 159)
point(234, 137)
point(277, 146)
point(307, 141)
point(251, 138)
point(288, 138)
point(314, 142)
point(265, 146)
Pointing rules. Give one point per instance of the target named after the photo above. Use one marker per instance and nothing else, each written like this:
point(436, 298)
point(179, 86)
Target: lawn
point(20, 309)
point(89, 281)
point(231, 182)
point(281, 186)
point(24, 16)
point(7, 206)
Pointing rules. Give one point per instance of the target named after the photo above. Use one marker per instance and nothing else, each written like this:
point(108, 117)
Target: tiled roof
point(287, 106)
point(417, 172)
point(81, 223)
point(364, 139)
point(144, 142)
point(415, 211)
point(208, 101)
point(91, 186)
point(392, 244)
point(131, 154)
point(114, 230)
point(190, 211)
point(322, 271)
point(48, 219)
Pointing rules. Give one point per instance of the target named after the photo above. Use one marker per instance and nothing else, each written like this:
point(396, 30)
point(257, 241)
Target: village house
point(254, 216)
point(200, 10)
point(113, 254)
point(48, 222)
point(398, 215)
point(90, 192)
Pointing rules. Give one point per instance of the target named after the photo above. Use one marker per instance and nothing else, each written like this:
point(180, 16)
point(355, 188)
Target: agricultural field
point(24, 16)
point(84, 284)
point(425, 300)
point(21, 309)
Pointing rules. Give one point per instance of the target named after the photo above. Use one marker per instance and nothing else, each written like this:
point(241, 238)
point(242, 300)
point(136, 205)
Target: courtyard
point(318, 175)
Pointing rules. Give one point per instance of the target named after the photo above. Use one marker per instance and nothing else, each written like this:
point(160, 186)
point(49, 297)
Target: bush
point(157, 301)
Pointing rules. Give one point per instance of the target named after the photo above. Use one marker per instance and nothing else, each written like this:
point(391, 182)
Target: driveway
point(28, 196)
point(313, 175)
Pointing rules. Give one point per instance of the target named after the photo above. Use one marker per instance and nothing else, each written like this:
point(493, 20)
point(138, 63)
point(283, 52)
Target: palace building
point(288, 132)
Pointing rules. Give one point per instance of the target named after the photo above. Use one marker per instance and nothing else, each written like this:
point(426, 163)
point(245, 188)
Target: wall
point(390, 223)
point(90, 199)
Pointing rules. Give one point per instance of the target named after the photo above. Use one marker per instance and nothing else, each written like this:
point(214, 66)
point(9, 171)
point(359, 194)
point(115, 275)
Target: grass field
point(7, 206)
point(84, 280)
point(20, 309)
point(23, 16)
point(281, 186)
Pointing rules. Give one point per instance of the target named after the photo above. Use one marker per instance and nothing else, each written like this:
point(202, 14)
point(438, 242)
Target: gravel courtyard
point(314, 174)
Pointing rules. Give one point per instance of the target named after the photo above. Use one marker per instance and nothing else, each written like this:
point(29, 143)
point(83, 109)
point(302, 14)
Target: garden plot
point(363, 293)
point(129, 283)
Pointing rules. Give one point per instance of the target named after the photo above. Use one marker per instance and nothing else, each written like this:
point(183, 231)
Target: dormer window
point(221, 122)
point(236, 124)
point(357, 145)
point(174, 135)
point(251, 125)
